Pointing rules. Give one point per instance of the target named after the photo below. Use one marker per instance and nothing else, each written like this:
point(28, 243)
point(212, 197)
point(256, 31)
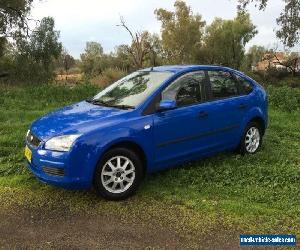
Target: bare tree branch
point(139, 47)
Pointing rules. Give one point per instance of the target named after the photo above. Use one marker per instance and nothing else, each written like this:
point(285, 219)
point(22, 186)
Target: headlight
point(61, 143)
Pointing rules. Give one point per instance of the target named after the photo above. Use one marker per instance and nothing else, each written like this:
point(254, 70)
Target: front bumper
point(73, 176)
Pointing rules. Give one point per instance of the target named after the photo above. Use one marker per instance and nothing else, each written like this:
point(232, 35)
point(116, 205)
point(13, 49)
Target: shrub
point(256, 76)
point(108, 76)
point(114, 74)
point(274, 73)
point(275, 77)
point(74, 71)
point(284, 98)
point(293, 82)
point(98, 80)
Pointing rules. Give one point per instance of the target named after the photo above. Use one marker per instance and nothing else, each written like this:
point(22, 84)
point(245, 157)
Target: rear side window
point(223, 85)
point(187, 90)
point(245, 87)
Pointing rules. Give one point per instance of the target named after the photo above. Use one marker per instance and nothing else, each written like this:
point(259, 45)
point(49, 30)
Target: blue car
point(150, 120)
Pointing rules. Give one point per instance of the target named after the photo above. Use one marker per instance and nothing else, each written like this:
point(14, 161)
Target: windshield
point(132, 90)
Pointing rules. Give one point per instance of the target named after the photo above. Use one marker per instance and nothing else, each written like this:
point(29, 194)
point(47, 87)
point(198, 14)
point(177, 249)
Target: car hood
point(74, 119)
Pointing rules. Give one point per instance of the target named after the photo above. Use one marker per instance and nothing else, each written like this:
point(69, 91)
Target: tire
point(251, 144)
point(118, 174)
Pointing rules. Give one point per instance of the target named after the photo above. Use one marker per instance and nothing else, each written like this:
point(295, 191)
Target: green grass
point(258, 193)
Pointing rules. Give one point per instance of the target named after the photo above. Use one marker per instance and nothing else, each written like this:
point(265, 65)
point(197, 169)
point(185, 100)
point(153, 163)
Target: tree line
point(185, 38)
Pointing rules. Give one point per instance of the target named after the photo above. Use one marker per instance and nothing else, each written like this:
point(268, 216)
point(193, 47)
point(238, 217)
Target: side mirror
point(166, 105)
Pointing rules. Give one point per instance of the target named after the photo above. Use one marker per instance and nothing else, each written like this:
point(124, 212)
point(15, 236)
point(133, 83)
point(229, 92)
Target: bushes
point(114, 74)
point(275, 77)
point(284, 98)
point(293, 82)
point(108, 76)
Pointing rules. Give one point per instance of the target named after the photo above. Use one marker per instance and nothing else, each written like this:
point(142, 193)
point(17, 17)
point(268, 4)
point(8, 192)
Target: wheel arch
point(255, 114)
point(131, 145)
point(260, 121)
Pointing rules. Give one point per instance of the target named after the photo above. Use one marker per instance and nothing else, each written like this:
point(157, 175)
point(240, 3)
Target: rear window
point(223, 85)
point(244, 86)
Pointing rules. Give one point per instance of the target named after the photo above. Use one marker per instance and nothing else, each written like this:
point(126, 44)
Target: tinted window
point(187, 90)
point(133, 89)
point(244, 86)
point(223, 85)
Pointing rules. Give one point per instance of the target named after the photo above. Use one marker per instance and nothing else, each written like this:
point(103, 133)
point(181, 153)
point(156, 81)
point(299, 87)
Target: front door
point(183, 132)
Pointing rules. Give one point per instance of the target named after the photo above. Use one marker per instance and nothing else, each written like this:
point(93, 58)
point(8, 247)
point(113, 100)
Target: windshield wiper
point(97, 102)
point(102, 103)
point(122, 106)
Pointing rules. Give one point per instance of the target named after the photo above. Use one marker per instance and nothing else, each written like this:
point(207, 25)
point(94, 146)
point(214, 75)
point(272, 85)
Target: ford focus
point(150, 120)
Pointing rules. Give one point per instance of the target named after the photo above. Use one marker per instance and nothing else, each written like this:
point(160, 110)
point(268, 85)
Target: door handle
point(242, 106)
point(203, 114)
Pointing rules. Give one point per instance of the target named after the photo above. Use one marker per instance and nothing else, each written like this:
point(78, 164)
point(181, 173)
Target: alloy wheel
point(118, 174)
point(252, 140)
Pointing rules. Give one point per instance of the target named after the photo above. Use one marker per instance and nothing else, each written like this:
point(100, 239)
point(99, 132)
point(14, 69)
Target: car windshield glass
point(131, 90)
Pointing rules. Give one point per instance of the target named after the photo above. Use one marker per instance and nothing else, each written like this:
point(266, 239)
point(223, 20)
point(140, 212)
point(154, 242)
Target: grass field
point(258, 193)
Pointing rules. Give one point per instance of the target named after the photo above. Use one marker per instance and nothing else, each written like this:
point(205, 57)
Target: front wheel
point(118, 174)
point(252, 139)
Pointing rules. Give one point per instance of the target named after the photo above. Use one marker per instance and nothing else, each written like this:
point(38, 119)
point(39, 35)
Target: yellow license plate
point(28, 154)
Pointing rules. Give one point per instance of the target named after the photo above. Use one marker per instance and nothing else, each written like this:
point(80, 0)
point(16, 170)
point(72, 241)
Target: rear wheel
point(252, 139)
point(118, 174)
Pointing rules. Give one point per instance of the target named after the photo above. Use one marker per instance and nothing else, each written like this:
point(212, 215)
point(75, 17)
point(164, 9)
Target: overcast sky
point(80, 21)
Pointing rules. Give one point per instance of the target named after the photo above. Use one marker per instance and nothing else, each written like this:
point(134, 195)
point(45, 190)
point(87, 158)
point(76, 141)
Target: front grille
point(33, 140)
point(54, 171)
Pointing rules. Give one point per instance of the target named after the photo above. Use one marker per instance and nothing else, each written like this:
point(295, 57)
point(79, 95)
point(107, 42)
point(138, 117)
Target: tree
point(3, 43)
point(44, 43)
point(289, 20)
point(66, 60)
point(93, 49)
point(140, 45)
point(290, 60)
point(92, 59)
point(261, 4)
point(6, 59)
point(156, 55)
point(225, 40)
point(35, 57)
point(181, 31)
point(13, 21)
point(254, 55)
point(14, 17)
point(122, 58)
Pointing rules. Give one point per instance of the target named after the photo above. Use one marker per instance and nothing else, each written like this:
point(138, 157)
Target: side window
point(223, 85)
point(244, 86)
point(187, 90)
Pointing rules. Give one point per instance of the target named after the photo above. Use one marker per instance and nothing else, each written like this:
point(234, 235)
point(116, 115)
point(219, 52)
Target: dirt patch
point(59, 219)
point(26, 230)
point(32, 229)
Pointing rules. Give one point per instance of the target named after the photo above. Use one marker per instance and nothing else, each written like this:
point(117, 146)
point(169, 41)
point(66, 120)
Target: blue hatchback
point(148, 121)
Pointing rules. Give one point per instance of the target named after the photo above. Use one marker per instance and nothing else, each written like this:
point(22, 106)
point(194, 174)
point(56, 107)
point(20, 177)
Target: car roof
point(185, 68)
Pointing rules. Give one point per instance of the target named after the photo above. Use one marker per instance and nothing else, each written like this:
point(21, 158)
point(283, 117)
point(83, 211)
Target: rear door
point(227, 108)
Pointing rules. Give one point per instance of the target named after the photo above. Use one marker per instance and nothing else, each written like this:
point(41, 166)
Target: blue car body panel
point(166, 138)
